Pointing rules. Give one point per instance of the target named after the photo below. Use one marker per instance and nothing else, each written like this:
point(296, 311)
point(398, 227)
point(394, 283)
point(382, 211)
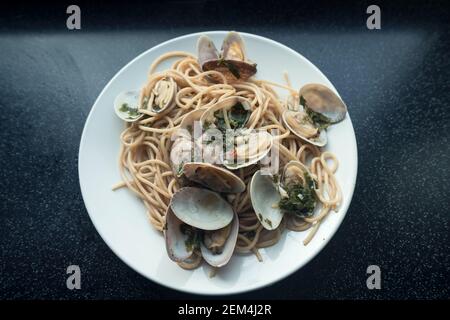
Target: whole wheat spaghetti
point(144, 159)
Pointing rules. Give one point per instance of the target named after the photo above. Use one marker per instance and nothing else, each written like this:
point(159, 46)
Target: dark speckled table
point(396, 82)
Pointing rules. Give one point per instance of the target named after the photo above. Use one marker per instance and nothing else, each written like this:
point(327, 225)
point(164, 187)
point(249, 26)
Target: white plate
point(120, 217)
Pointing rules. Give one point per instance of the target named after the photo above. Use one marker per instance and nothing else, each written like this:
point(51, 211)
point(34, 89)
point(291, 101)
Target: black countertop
point(395, 81)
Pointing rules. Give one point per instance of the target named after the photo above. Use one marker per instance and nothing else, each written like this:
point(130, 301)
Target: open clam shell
point(126, 106)
point(233, 52)
point(294, 172)
point(297, 124)
point(219, 259)
point(207, 53)
point(237, 111)
point(232, 61)
point(162, 96)
point(177, 243)
point(249, 148)
point(213, 177)
point(201, 208)
point(265, 197)
point(323, 100)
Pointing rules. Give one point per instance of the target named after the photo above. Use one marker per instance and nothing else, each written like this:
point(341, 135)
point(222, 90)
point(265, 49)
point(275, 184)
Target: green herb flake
point(132, 112)
point(301, 200)
point(180, 169)
point(238, 116)
point(124, 107)
point(318, 119)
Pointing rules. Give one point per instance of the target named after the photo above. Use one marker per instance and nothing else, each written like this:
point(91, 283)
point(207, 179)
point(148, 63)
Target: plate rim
point(343, 209)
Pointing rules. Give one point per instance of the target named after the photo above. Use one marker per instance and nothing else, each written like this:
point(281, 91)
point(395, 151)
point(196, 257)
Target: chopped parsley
point(316, 118)
point(132, 112)
point(301, 200)
point(238, 116)
point(180, 169)
point(269, 222)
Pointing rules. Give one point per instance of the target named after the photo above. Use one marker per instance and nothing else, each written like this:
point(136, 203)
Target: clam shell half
point(258, 145)
point(232, 61)
point(207, 51)
point(292, 120)
point(176, 247)
point(213, 177)
point(265, 197)
point(225, 104)
point(131, 100)
point(201, 208)
point(162, 97)
point(322, 99)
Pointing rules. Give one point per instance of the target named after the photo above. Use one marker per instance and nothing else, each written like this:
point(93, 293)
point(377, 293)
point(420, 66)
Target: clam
point(243, 147)
point(321, 108)
point(162, 96)
point(293, 194)
point(201, 208)
point(299, 123)
point(246, 148)
point(265, 197)
point(199, 219)
point(161, 100)
point(213, 177)
point(232, 61)
point(322, 100)
point(230, 113)
point(206, 174)
point(126, 106)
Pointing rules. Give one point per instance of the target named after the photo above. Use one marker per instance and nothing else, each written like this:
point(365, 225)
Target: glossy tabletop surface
point(395, 82)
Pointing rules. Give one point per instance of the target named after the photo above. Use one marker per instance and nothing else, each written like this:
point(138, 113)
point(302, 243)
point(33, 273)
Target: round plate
point(120, 217)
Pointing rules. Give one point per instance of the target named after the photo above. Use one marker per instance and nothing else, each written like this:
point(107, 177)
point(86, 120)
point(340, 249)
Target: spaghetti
point(144, 159)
